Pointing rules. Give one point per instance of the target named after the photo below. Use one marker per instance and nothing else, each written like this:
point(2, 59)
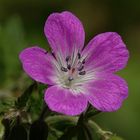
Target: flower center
point(73, 70)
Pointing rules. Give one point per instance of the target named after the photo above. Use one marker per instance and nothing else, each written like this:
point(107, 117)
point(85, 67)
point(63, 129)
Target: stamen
point(69, 66)
point(83, 62)
point(82, 73)
point(79, 55)
point(53, 55)
point(64, 69)
point(80, 67)
point(67, 58)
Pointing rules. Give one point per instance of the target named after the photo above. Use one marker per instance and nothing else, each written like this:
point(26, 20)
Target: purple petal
point(63, 101)
point(107, 92)
point(36, 63)
point(64, 32)
point(106, 52)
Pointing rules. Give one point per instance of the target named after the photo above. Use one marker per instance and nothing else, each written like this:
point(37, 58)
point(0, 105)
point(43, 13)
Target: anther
point(64, 69)
point(69, 66)
point(80, 68)
point(67, 58)
point(79, 55)
point(82, 73)
point(83, 62)
point(53, 55)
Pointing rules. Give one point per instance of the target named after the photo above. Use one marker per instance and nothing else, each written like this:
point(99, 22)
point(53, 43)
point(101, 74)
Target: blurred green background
point(21, 26)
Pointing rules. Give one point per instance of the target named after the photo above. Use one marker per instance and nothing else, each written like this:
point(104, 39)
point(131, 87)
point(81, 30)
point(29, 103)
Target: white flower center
point(71, 72)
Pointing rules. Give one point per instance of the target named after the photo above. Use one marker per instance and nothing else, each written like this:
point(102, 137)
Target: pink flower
point(76, 74)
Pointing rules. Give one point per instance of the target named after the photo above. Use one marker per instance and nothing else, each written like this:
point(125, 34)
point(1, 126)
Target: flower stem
point(93, 113)
point(81, 119)
point(90, 112)
point(45, 112)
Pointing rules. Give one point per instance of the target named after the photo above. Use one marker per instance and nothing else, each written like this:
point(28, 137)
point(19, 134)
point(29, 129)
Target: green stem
point(45, 112)
point(81, 119)
point(90, 112)
point(93, 113)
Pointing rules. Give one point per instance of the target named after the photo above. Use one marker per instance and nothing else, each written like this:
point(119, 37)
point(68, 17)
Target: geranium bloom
point(78, 75)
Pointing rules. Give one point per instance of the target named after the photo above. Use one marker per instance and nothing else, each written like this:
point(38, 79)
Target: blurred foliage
point(5, 105)
point(21, 25)
point(36, 102)
point(11, 42)
point(23, 119)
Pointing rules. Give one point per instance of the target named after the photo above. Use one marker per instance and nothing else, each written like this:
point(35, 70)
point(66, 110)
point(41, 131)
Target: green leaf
point(5, 104)
point(22, 100)
point(36, 102)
